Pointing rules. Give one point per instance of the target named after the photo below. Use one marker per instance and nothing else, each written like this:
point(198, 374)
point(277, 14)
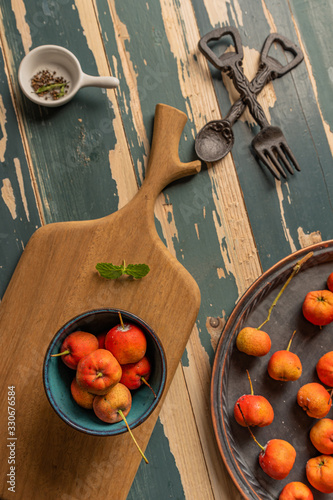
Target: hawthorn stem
point(148, 385)
point(247, 425)
point(290, 341)
point(63, 353)
point(121, 321)
point(129, 430)
point(123, 268)
point(330, 392)
point(248, 376)
point(295, 270)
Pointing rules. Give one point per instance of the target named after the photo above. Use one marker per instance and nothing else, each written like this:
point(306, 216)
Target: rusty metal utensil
point(215, 139)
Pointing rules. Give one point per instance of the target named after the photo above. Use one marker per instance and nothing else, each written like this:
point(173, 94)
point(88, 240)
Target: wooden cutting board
point(56, 280)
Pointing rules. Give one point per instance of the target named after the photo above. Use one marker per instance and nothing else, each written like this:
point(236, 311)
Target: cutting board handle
point(164, 165)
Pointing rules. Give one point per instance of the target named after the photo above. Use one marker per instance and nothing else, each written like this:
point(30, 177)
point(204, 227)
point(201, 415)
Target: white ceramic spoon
point(66, 65)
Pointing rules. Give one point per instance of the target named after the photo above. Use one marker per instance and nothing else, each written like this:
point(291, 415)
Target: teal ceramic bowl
point(57, 377)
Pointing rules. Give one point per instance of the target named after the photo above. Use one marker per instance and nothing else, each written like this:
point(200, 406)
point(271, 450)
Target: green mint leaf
point(109, 271)
point(137, 271)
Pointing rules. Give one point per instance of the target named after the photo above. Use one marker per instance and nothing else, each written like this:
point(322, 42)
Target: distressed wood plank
point(183, 49)
point(76, 161)
point(176, 397)
point(19, 213)
point(224, 225)
point(183, 43)
point(300, 119)
point(220, 198)
point(313, 24)
point(119, 156)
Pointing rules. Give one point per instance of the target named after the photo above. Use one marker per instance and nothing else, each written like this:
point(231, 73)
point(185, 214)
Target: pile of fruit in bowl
point(104, 372)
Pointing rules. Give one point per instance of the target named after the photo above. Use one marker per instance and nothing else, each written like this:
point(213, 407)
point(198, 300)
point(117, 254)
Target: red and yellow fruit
point(314, 399)
point(296, 491)
point(98, 372)
point(81, 397)
point(318, 307)
point(136, 374)
point(321, 436)
point(285, 365)
point(107, 407)
point(253, 410)
point(253, 342)
point(330, 282)
point(319, 473)
point(324, 369)
point(126, 342)
point(75, 346)
point(277, 458)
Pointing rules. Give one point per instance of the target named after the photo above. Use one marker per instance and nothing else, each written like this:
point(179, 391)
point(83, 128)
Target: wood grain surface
point(225, 225)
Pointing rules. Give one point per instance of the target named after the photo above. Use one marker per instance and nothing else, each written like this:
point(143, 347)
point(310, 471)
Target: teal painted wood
point(149, 483)
point(157, 82)
point(279, 213)
point(69, 145)
point(155, 67)
point(19, 216)
point(151, 79)
point(314, 19)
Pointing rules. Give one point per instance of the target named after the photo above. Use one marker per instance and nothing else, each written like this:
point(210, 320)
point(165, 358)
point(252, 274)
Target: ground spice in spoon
point(47, 84)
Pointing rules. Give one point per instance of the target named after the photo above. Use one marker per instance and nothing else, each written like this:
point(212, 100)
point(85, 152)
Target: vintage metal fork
point(269, 145)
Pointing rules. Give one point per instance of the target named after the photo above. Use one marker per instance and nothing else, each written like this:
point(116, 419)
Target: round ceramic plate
point(229, 379)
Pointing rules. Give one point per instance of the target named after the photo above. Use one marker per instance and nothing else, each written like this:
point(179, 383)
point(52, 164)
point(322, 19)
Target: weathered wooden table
point(225, 225)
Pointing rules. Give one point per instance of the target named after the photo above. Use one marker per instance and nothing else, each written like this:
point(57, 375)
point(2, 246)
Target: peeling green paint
point(315, 21)
point(14, 232)
point(296, 113)
point(169, 487)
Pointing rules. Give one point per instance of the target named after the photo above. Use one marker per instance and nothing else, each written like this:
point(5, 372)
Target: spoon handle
point(263, 76)
point(106, 82)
